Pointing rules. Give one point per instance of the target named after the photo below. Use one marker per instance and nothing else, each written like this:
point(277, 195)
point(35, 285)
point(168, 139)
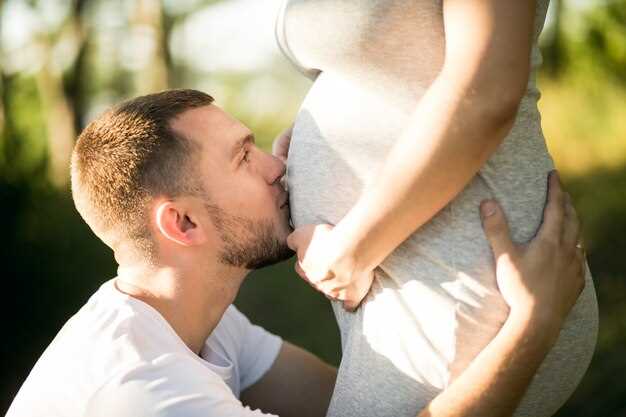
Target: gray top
point(435, 302)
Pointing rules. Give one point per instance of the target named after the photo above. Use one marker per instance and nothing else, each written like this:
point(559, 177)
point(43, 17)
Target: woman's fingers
point(301, 272)
point(330, 295)
point(351, 306)
point(351, 295)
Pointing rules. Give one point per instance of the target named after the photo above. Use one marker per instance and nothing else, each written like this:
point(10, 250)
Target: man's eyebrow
point(249, 138)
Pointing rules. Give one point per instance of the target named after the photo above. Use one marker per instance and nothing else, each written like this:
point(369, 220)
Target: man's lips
point(285, 201)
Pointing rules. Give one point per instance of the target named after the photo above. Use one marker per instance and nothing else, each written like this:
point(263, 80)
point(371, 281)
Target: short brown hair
point(127, 155)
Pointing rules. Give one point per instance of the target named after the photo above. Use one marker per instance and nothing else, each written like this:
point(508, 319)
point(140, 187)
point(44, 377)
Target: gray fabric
point(435, 302)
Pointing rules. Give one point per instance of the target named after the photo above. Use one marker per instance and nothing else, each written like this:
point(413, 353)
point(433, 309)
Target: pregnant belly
point(438, 287)
point(340, 139)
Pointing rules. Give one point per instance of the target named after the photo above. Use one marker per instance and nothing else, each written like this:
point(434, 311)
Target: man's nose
point(277, 170)
point(282, 169)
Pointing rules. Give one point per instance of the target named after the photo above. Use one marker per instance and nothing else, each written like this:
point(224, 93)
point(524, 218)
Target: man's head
point(163, 176)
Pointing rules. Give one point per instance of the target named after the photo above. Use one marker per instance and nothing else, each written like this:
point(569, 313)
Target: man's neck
point(192, 299)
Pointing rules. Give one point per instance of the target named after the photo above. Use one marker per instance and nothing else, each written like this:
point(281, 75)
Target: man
point(189, 205)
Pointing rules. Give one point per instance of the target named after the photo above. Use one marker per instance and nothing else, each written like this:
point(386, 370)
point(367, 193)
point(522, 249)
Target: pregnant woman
point(420, 110)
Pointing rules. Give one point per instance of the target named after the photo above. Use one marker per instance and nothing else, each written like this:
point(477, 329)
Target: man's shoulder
point(103, 339)
point(103, 333)
point(83, 354)
point(251, 348)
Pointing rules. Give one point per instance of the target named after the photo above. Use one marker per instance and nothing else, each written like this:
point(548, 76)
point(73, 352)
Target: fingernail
point(488, 208)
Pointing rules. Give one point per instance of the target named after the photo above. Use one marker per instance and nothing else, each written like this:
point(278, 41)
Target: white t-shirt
point(119, 357)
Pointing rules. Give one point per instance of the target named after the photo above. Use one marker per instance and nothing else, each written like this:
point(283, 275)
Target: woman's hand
point(280, 147)
point(543, 278)
point(320, 261)
point(320, 264)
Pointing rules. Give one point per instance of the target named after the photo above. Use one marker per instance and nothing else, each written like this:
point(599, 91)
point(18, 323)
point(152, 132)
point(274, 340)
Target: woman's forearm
point(451, 135)
point(496, 380)
point(459, 122)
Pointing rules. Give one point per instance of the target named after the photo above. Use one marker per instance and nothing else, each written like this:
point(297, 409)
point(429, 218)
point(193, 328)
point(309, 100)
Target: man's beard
point(249, 244)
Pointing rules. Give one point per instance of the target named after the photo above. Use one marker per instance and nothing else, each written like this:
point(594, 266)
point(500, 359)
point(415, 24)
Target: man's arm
point(541, 282)
point(297, 384)
point(496, 380)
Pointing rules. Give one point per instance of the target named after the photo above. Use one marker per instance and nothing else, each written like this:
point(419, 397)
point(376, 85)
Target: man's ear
point(175, 223)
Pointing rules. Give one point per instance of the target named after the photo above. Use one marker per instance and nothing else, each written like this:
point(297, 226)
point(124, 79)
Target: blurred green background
point(62, 62)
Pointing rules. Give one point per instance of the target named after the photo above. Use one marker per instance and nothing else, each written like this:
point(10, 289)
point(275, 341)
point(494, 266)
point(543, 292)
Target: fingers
point(350, 305)
point(301, 272)
point(300, 239)
point(554, 212)
point(561, 229)
point(572, 239)
point(295, 241)
point(292, 240)
point(350, 297)
point(581, 278)
point(496, 228)
point(305, 278)
point(571, 227)
point(315, 286)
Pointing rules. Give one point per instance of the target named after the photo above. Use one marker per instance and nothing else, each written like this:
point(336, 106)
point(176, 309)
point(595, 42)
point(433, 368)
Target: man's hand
point(544, 277)
point(280, 147)
point(540, 281)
